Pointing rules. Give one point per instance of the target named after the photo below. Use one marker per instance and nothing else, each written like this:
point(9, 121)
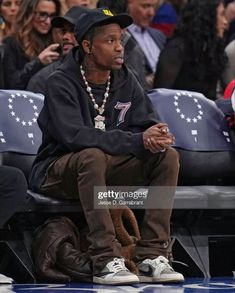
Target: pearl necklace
point(99, 119)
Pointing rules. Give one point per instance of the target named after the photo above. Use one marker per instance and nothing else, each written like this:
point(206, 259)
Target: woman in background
point(31, 46)
point(193, 59)
point(8, 11)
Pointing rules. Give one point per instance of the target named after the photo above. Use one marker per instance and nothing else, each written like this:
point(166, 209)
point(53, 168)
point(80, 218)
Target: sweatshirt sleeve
point(17, 69)
point(143, 115)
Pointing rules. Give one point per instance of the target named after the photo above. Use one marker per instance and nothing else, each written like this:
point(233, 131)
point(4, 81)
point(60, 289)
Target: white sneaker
point(158, 270)
point(5, 280)
point(115, 272)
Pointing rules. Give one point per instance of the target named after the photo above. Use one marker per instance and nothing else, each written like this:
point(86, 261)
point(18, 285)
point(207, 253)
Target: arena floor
point(191, 285)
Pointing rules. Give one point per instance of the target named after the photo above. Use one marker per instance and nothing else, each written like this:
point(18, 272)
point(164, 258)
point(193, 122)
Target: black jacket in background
point(37, 83)
point(67, 118)
point(175, 70)
point(18, 69)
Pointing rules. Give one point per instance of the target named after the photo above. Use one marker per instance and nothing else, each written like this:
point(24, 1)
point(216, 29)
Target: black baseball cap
point(98, 17)
point(70, 16)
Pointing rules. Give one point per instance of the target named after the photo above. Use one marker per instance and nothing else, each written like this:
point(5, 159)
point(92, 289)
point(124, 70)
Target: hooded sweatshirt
point(67, 117)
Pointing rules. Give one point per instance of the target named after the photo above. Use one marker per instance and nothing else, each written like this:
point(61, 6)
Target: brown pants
point(75, 175)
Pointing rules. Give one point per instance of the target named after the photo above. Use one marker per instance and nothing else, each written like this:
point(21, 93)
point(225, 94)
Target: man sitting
point(99, 129)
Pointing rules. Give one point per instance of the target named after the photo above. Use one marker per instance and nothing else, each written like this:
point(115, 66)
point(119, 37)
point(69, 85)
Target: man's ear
point(86, 46)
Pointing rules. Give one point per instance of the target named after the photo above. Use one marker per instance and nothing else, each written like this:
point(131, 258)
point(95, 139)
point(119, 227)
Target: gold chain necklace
point(99, 119)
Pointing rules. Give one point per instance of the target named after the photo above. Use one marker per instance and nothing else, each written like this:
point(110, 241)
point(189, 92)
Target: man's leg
point(160, 173)
point(13, 192)
point(160, 170)
point(75, 176)
point(155, 229)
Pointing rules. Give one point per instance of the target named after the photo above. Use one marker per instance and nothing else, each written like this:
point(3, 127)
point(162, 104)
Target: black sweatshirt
point(67, 118)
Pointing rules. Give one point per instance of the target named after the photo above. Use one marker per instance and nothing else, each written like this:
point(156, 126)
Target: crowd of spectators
point(194, 57)
point(172, 43)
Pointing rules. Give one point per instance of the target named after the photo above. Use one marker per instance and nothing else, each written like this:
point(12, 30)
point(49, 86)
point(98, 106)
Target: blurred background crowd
point(178, 44)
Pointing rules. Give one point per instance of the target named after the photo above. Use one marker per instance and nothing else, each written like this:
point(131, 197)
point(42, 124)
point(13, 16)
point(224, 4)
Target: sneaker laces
point(117, 265)
point(160, 264)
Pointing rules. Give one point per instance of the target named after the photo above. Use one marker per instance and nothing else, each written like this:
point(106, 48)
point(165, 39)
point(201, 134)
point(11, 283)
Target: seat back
point(202, 136)
point(20, 135)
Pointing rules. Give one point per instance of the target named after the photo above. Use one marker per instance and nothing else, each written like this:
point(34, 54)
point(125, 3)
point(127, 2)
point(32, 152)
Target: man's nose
point(67, 36)
point(119, 46)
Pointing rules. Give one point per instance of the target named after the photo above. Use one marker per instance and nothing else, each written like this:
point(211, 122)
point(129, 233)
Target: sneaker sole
point(144, 279)
point(98, 280)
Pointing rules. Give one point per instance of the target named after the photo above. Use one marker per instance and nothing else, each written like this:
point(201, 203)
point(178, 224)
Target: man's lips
point(119, 60)
point(67, 46)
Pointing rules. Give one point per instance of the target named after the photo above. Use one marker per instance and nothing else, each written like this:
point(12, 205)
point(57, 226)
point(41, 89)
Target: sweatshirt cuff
point(138, 145)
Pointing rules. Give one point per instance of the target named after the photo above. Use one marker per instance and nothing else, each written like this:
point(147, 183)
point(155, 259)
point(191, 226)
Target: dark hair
point(116, 6)
point(89, 36)
point(198, 27)
point(31, 42)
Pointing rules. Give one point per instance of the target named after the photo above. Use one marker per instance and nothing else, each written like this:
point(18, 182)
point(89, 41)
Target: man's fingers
point(152, 146)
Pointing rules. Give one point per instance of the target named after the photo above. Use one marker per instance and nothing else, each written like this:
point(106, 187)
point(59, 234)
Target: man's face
point(142, 11)
point(106, 52)
point(68, 38)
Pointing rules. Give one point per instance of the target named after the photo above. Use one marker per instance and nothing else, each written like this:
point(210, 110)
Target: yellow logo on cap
point(107, 12)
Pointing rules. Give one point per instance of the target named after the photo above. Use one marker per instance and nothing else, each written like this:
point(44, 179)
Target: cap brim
point(60, 21)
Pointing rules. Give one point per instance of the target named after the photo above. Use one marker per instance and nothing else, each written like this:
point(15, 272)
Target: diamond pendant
point(99, 122)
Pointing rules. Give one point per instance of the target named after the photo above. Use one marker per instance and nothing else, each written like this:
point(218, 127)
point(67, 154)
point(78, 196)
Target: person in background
point(98, 126)
point(66, 25)
point(71, 3)
point(31, 46)
point(230, 16)
point(166, 16)
point(93, 4)
point(8, 12)
point(228, 74)
point(193, 59)
point(133, 54)
point(150, 40)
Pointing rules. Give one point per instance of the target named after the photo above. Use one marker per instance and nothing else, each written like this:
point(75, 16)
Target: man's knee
point(172, 154)
point(172, 157)
point(92, 157)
